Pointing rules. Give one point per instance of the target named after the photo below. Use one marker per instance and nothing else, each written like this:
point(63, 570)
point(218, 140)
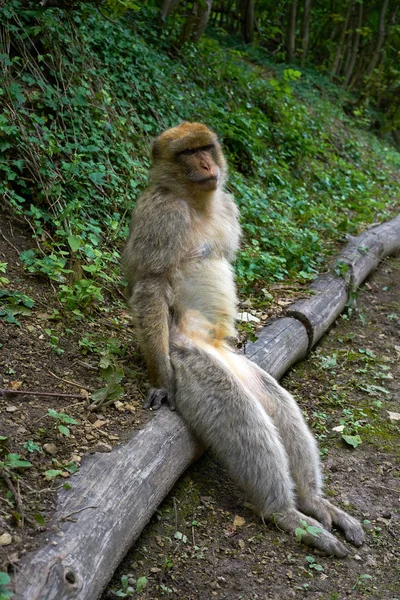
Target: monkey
point(184, 235)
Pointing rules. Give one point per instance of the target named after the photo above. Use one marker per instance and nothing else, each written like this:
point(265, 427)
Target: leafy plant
point(3, 269)
point(5, 581)
point(305, 529)
point(312, 563)
point(13, 462)
point(112, 392)
point(61, 419)
point(14, 303)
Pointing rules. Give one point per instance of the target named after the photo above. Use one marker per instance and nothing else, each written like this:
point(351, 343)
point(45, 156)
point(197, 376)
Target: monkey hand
point(156, 397)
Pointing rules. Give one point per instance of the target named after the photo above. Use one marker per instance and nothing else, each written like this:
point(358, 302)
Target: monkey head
point(189, 154)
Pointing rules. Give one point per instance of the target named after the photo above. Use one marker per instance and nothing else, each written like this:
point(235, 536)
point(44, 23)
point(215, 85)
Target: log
point(363, 253)
point(274, 350)
point(114, 495)
point(317, 313)
point(112, 498)
point(330, 292)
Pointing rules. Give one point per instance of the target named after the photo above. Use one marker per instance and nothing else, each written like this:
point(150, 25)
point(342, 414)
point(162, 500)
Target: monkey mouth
point(213, 179)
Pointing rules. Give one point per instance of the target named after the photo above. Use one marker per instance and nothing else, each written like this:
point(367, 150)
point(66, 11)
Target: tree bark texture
point(341, 43)
point(291, 32)
point(306, 31)
point(380, 39)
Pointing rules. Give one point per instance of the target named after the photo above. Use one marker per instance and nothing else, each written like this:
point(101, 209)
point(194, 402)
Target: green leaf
point(40, 520)
point(64, 430)
point(352, 440)
point(313, 530)
point(4, 578)
point(75, 242)
point(141, 583)
point(299, 533)
point(14, 462)
point(32, 447)
point(52, 473)
point(97, 177)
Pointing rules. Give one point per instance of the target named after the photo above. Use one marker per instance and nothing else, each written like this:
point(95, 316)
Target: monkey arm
point(151, 308)
point(157, 245)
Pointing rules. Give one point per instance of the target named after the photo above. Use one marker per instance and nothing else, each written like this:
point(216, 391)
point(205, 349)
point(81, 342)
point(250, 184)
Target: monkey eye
point(189, 151)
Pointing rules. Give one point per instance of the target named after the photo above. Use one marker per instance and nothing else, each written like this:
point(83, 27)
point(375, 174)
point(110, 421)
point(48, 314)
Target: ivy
point(81, 98)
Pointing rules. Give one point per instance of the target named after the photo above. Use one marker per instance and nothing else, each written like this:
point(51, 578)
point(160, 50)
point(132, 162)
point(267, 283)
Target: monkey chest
point(207, 286)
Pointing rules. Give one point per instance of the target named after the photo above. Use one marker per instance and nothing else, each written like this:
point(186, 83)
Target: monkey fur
point(178, 261)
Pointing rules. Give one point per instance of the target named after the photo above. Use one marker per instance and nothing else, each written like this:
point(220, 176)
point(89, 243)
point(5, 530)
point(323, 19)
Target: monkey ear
point(156, 149)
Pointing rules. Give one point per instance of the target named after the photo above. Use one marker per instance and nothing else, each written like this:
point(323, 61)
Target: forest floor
point(203, 542)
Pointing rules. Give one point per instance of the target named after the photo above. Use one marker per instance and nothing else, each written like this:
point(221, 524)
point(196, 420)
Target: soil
point(31, 360)
point(203, 542)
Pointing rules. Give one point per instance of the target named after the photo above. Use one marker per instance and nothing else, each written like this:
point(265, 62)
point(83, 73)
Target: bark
point(203, 16)
point(196, 21)
point(291, 32)
point(246, 15)
point(380, 39)
point(167, 8)
point(341, 43)
point(355, 46)
point(306, 31)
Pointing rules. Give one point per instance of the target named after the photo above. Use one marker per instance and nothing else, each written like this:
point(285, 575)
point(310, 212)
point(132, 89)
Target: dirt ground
point(204, 543)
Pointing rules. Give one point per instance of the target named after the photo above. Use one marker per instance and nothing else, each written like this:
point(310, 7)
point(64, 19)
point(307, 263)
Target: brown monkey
point(183, 226)
point(184, 235)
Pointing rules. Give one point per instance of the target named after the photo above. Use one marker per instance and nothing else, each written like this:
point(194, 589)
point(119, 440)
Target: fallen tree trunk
point(114, 495)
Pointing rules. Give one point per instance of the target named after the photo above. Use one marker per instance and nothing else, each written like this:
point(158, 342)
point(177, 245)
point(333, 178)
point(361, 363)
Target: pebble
point(5, 539)
point(101, 447)
point(12, 409)
point(50, 449)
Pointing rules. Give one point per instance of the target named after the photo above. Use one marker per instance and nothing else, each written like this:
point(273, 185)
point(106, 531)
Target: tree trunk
point(196, 22)
point(291, 32)
point(306, 30)
point(168, 6)
point(354, 48)
point(340, 46)
point(202, 19)
point(380, 39)
point(247, 20)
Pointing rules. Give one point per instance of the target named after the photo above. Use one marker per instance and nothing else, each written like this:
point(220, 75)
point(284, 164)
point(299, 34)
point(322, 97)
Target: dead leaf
point(238, 521)
point(393, 416)
point(338, 428)
point(230, 530)
point(15, 385)
point(99, 423)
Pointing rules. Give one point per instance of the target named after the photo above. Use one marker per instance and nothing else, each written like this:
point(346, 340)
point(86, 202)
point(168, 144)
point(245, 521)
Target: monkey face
point(189, 154)
point(199, 165)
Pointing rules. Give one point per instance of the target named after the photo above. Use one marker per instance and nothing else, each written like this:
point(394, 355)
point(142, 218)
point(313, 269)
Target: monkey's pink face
point(200, 167)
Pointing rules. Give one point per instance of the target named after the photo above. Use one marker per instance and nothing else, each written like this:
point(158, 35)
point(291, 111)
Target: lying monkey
point(178, 262)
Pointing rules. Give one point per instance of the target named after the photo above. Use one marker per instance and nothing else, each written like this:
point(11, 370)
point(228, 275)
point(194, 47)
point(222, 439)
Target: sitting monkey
point(178, 261)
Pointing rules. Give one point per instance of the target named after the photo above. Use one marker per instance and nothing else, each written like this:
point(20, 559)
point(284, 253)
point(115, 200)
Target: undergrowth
point(81, 98)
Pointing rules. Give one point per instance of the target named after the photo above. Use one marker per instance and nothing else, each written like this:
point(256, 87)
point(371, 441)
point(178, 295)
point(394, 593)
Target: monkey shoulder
point(160, 231)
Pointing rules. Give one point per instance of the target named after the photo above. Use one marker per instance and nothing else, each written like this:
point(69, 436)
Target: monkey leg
point(230, 420)
point(303, 455)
